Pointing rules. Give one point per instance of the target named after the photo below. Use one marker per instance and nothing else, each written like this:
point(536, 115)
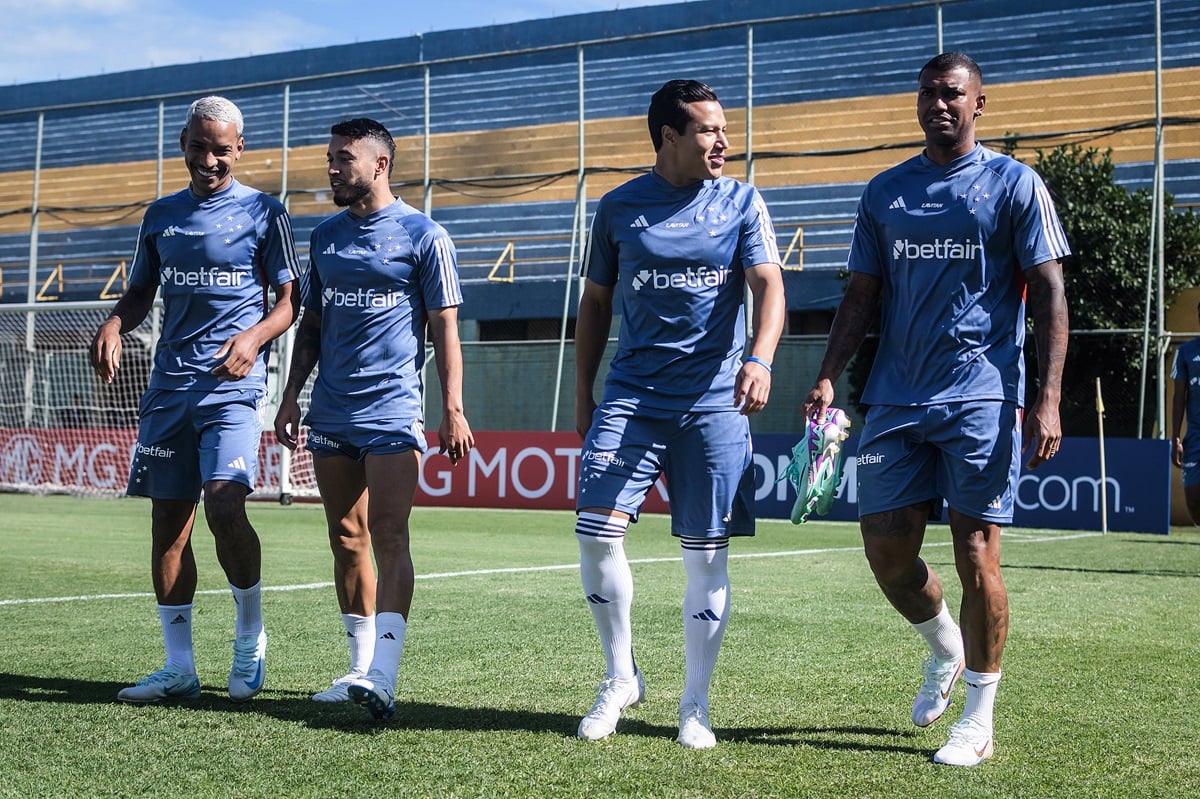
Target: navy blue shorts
point(968, 453)
point(1191, 460)
point(706, 459)
point(359, 440)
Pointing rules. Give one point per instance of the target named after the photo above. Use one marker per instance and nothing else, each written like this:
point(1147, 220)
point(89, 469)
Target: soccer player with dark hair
point(672, 252)
point(380, 274)
point(214, 248)
point(948, 248)
point(1185, 404)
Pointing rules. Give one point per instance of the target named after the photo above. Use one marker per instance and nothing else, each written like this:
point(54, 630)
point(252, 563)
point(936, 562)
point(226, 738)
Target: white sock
point(249, 608)
point(177, 636)
point(981, 695)
point(705, 612)
point(608, 587)
point(389, 644)
point(942, 634)
point(360, 634)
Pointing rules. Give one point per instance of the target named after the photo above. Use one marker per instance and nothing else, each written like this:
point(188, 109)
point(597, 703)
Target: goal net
point(62, 430)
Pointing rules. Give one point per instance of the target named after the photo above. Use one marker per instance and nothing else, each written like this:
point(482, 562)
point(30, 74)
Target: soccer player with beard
point(673, 251)
point(214, 248)
point(947, 249)
point(380, 273)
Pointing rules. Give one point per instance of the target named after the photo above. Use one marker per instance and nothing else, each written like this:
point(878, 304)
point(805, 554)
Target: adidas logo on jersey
point(238, 463)
point(898, 204)
point(640, 222)
point(330, 250)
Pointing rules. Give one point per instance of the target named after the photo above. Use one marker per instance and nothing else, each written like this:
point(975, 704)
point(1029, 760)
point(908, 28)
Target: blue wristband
point(759, 361)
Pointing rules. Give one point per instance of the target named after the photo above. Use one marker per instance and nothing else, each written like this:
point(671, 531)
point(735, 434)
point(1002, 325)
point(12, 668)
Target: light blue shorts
point(189, 438)
point(360, 440)
point(706, 458)
point(968, 453)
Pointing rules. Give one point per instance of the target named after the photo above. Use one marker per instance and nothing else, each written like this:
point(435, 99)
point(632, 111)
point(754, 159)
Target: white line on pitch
point(1029, 539)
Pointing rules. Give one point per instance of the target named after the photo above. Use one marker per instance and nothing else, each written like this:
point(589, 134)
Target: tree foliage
point(1108, 228)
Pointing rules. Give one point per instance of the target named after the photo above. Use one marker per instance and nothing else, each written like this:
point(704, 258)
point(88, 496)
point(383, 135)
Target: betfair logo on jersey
point(203, 278)
point(323, 441)
point(360, 298)
point(153, 451)
point(702, 277)
point(938, 249)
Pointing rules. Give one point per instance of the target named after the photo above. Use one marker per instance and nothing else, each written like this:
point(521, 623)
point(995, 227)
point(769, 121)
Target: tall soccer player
point(215, 249)
point(948, 248)
point(380, 274)
point(673, 251)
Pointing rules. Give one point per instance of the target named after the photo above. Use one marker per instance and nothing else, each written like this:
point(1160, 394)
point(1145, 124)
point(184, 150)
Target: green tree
point(1108, 228)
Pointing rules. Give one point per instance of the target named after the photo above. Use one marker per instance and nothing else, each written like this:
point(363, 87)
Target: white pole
point(287, 342)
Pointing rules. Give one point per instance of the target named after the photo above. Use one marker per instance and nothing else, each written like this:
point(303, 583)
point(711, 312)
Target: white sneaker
point(339, 691)
point(970, 744)
point(611, 700)
point(695, 731)
point(375, 693)
point(934, 696)
point(166, 683)
point(249, 666)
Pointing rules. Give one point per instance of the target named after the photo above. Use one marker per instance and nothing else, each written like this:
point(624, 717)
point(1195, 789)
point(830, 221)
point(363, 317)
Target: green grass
point(810, 699)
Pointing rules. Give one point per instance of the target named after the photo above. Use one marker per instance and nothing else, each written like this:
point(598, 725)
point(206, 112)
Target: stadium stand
point(832, 104)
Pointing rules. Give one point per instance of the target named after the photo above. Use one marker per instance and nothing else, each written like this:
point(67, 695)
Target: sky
point(57, 39)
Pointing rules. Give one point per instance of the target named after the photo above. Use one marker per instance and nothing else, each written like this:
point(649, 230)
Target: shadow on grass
point(297, 707)
point(1009, 567)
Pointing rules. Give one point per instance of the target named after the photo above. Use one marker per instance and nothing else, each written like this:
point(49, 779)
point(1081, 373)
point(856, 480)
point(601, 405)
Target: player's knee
point(225, 507)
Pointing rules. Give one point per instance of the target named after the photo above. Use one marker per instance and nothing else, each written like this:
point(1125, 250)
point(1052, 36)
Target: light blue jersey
point(677, 258)
point(951, 244)
point(214, 259)
point(1187, 368)
point(372, 279)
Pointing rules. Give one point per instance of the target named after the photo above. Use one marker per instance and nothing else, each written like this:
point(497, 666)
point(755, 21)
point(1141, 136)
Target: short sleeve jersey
point(1187, 368)
point(950, 245)
point(677, 257)
point(213, 258)
point(372, 279)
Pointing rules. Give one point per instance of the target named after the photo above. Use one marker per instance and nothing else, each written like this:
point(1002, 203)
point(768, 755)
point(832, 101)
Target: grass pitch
point(810, 699)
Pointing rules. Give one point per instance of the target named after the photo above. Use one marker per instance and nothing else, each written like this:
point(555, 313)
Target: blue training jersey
point(1187, 368)
point(677, 258)
point(372, 279)
point(951, 244)
point(213, 259)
